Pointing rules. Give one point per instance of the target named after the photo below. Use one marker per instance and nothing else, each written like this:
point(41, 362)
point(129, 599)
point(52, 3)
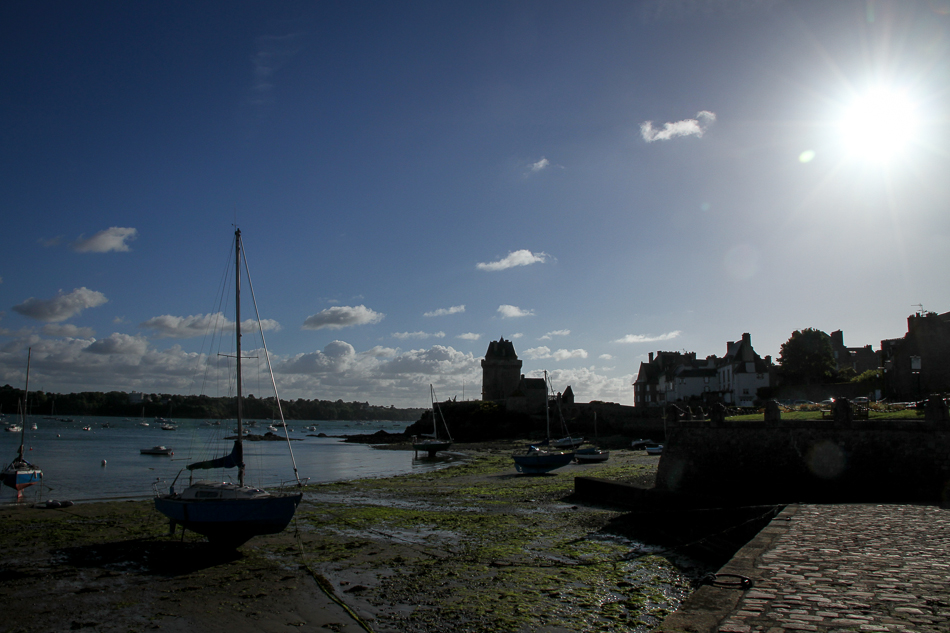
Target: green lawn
point(906, 414)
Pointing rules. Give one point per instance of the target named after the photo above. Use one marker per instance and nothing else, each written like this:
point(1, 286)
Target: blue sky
point(593, 180)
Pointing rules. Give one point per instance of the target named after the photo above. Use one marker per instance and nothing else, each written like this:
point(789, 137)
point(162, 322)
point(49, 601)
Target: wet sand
point(474, 547)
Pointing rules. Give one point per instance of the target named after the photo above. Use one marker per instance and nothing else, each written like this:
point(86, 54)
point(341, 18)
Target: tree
point(806, 357)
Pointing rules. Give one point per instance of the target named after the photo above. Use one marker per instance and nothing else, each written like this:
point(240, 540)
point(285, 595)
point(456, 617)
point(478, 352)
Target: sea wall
point(808, 461)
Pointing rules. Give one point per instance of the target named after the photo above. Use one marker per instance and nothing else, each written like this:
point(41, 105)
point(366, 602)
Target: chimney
point(651, 357)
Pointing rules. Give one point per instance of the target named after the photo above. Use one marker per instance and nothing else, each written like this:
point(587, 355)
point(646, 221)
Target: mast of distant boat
point(237, 330)
point(547, 415)
point(26, 396)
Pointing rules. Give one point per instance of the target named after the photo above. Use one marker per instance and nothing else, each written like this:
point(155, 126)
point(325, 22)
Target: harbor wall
point(808, 461)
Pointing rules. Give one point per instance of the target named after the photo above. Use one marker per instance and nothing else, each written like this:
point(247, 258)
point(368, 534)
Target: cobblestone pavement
point(854, 568)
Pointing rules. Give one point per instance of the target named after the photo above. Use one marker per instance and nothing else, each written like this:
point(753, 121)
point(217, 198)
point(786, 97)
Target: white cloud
point(339, 317)
point(644, 338)
point(380, 375)
point(437, 360)
point(549, 335)
point(510, 312)
point(418, 335)
point(541, 164)
point(67, 329)
point(273, 53)
point(521, 257)
point(541, 353)
point(111, 239)
point(62, 306)
point(565, 354)
point(605, 357)
point(469, 336)
point(120, 344)
point(168, 326)
point(517, 335)
point(687, 127)
point(445, 311)
point(536, 353)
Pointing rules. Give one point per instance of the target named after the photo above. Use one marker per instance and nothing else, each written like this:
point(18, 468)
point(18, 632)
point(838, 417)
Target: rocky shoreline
point(472, 547)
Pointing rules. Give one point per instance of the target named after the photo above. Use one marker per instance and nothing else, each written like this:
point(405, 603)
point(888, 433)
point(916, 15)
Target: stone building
point(503, 382)
point(501, 370)
point(860, 359)
point(674, 376)
point(919, 363)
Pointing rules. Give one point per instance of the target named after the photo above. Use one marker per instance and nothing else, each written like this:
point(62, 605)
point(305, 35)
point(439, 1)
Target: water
point(72, 459)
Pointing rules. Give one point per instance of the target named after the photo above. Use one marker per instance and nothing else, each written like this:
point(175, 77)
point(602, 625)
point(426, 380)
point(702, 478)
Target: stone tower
point(501, 370)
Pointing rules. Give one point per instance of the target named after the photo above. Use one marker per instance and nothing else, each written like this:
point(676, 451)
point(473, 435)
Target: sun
point(879, 125)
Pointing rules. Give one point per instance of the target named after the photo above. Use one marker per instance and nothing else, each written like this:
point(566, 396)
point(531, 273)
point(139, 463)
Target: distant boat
point(156, 450)
point(13, 428)
point(431, 444)
point(537, 460)
point(20, 473)
point(230, 514)
point(591, 455)
point(567, 442)
point(169, 427)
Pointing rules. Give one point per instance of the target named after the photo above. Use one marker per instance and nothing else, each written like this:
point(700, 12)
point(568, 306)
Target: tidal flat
point(473, 547)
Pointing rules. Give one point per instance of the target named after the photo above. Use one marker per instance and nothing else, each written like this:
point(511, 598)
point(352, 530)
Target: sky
point(593, 181)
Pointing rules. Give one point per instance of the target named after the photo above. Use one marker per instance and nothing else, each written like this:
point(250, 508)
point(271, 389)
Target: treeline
point(119, 404)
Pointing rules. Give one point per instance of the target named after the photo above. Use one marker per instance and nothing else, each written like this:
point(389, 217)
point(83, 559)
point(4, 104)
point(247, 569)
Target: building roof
point(501, 349)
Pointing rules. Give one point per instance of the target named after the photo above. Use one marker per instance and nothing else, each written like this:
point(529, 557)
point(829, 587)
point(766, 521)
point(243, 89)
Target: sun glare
point(879, 125)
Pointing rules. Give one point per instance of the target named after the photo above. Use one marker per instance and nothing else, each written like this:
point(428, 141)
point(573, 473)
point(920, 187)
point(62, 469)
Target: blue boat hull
point(231, 522)
point(20, 479)
point(537, 463)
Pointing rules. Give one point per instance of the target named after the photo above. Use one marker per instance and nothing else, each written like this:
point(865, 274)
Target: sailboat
point(539, 459)
point(432, 444)
point(20, 473)
point(228, 513)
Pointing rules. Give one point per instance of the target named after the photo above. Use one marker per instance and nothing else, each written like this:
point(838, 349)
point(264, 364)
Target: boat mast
point(547, 416)
point(237, 336)
point(26, 396)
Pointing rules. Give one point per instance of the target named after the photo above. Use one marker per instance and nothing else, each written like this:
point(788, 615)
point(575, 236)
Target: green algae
point(477, 548)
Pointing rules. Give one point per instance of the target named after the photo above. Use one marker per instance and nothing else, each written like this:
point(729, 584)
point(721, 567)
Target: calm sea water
point(72, 458)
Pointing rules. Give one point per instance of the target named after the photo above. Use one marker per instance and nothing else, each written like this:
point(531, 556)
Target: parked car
point(862, 401)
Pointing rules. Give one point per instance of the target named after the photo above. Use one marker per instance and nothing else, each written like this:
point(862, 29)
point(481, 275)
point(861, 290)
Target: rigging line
point(260, 327)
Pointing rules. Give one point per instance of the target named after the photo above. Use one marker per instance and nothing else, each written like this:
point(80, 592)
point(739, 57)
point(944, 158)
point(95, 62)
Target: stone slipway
point(832, 568)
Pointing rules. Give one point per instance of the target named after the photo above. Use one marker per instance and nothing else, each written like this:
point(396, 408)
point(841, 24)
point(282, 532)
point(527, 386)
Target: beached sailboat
point(20, 473)
point(228, 513)
point(539, 459)
point(432, 444)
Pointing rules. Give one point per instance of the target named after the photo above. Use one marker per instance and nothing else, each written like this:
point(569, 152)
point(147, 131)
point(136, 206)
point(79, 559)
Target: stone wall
point(808, 461)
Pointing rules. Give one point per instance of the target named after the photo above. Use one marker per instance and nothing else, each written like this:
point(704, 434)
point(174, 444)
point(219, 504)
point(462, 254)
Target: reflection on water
point(105, 463)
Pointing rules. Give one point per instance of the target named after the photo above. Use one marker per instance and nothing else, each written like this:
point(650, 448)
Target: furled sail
point(234, 459)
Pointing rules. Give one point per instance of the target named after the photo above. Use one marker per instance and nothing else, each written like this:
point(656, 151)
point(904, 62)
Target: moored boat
point(20, 473)
point(591, 455)
point(432, 444)
point(157, 450)
point(230, 514)
point(538, 458)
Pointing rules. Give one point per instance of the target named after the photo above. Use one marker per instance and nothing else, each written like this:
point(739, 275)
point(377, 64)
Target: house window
point(745, 392)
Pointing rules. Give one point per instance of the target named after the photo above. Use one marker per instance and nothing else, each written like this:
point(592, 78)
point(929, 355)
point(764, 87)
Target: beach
point(473, 547)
